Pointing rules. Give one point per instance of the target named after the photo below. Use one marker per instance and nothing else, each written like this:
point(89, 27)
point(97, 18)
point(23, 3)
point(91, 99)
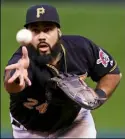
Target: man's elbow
point(120, 75)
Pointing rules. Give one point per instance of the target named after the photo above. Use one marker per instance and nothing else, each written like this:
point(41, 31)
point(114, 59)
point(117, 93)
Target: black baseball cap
point(43, 13)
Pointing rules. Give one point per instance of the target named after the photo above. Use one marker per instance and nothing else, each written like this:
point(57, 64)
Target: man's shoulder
point(73, 38)
point(76, 41)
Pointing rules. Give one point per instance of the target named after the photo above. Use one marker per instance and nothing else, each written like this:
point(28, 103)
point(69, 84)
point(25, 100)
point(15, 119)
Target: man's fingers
point(12, 66)
point(28, 81)
point(25, 52)
point(24, 79)
point(21, 80)
point(13, 78)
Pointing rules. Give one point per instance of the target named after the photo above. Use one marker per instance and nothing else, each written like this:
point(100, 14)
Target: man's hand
point(20, 70)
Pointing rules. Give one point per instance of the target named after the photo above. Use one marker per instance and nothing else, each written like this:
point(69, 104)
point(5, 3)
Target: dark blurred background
point(102, 21)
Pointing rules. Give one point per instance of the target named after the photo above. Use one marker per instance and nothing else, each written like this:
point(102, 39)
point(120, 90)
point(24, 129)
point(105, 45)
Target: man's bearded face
point(46, 40)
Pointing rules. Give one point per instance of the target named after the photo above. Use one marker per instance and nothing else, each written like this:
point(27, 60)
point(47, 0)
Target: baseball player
point(37, 114)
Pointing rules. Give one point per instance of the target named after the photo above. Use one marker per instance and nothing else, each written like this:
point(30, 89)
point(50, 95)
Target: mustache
point(43, 44)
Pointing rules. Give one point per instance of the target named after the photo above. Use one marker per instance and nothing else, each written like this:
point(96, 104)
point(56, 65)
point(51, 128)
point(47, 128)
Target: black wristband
point(100, 93)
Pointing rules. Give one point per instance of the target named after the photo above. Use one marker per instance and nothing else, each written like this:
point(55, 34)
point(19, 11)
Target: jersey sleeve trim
point(113, 68)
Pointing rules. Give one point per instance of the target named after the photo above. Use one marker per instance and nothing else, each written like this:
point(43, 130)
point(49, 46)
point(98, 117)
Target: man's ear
point(60, 33)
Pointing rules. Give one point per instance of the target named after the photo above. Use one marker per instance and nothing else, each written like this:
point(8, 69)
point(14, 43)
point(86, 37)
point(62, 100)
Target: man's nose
point(42, 36)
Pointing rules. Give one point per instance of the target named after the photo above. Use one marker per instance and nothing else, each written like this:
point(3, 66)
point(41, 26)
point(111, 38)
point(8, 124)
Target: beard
point(42, 59)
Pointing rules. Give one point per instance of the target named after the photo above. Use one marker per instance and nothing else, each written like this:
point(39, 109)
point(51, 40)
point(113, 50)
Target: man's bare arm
point(108, 83)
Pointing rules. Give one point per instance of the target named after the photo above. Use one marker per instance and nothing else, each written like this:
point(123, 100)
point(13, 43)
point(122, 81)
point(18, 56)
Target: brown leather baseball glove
point(77, 90)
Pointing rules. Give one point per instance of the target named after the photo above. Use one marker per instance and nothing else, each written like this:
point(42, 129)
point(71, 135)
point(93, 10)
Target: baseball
point(24, 36)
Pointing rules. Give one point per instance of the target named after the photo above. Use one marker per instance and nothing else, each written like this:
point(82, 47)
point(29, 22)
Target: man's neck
point(56, 60)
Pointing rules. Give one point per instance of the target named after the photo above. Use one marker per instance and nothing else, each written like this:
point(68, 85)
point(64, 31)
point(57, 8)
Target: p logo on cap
point(39, 12)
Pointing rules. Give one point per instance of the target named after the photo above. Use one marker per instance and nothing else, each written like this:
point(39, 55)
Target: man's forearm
point(108, 83)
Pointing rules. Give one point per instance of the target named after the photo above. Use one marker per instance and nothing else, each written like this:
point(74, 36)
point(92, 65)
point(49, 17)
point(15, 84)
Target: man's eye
point(36, 30)
point(46, 29)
